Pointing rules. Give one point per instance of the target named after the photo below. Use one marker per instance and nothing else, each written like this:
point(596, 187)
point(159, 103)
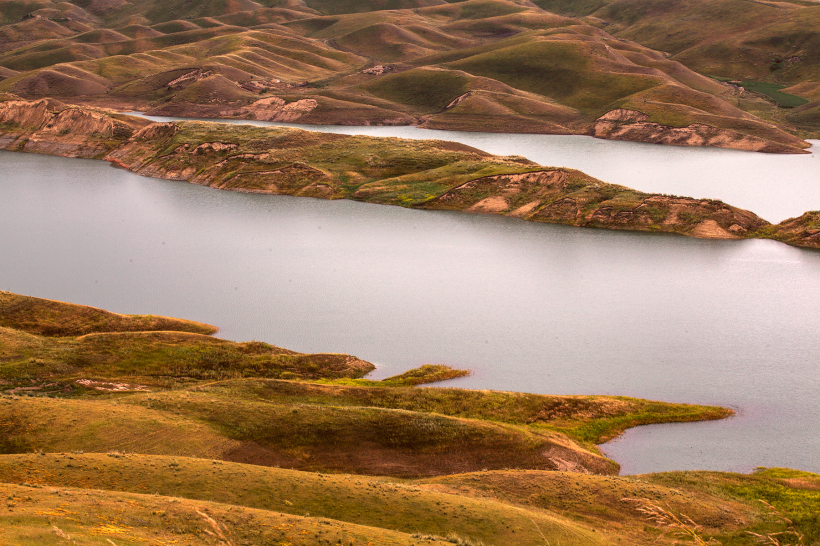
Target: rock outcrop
point(570, 197)
point(621, 124)
point(50, 127)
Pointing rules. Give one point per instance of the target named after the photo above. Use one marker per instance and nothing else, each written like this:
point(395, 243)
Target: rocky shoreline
point(419, 174)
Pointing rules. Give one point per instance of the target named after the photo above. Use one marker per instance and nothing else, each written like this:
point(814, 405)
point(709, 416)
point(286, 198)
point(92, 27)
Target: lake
point(529, 307)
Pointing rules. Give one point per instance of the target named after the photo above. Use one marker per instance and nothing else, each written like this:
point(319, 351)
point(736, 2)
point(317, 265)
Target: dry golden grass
point(375, 503)
point(56, 318)
point(43, 515)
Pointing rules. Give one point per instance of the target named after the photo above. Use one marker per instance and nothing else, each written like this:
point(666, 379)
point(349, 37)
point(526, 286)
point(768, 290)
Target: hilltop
point(476, 65)
point(114, 436)
point(769, 51)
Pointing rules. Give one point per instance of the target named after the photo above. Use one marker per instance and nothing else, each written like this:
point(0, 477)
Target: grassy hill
point(497, 65)
point(184, 398)
point(122, 429)
point(756, 44)
point(339, 461)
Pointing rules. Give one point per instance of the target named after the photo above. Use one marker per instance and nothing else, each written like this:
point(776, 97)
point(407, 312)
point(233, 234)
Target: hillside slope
point(488, 65)
point(334, 460)
point(765, 48)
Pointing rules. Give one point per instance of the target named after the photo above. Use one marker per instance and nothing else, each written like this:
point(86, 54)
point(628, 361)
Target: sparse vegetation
point(124, 429)
point(410, 173)
point(184, 436)
point(405, 62)
point(428, 373)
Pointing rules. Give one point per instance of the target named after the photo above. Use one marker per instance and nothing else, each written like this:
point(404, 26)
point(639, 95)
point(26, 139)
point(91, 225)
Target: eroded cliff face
point(570, 197)
point(426, 174)
point(634, 126)
point(315, 110)
point(50, 127)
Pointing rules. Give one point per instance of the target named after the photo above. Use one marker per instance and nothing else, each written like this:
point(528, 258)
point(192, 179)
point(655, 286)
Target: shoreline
point(440, 176)
point(621, 124)
point(573, 426)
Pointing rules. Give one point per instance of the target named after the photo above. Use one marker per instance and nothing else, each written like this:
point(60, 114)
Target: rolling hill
point(489, 65)
point(90, 456)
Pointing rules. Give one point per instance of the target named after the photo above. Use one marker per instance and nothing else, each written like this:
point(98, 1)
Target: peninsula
point(420, 174)
point(142, 428)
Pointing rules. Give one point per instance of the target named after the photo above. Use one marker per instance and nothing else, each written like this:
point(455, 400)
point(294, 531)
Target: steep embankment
point(424, 174)
point(49, 127)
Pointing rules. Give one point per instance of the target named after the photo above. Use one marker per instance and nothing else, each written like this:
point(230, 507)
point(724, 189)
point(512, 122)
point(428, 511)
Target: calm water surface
point(529, 307)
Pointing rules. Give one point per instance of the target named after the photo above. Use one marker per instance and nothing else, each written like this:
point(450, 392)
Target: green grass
point(588, 419)
point(427, 90)
point(313, 437)
point(410, 173)
point(40, 350)
point(404, 431)
point(337, 7)
point(156, 359)
point(772, 90)
point(13, 11)
point(55, 318)
point(483, 9)
point(562, 70)
point(372, 440)
point(599, 501)
point(428, 373)
point(573, 7)
point(496, 507)
point(44, 515)
point(484, 453)
point(59, 425)
point(348, 499)
point(793, 494)
point(574, 70)
point(215, 89)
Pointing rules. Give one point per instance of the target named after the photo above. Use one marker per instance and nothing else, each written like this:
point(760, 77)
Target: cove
point(530, 307)
point(773, 186)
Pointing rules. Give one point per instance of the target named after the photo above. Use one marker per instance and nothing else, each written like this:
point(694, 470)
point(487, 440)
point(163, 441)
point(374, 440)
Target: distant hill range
point(693, 72)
